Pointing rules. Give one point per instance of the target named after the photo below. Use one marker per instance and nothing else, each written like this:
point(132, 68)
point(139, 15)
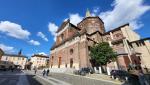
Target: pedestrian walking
point(47, 72)
point(12, 69)
point(35, 70)
point(44, 72)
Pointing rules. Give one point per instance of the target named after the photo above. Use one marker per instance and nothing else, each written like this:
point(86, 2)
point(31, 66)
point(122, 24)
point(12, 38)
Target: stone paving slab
point(80, 80)
point(103, 77)
point(50, 80)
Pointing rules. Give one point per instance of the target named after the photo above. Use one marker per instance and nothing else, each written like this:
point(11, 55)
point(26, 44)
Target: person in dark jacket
point(44, 72)
point(47, 72)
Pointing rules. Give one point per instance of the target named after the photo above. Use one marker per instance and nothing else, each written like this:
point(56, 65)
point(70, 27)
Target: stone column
point(96, 71)
point(116, 65)
point(100, 70)
point(108, 70)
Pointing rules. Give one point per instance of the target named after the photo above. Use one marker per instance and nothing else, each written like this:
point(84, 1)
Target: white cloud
point(75, 18)
point(33, 42)
point(96, 10)
point(40, 34)
point(7, 49)
point(136, 24)
point(52, 27)
point(13, 30)
point(123, 13)
point(42, 53)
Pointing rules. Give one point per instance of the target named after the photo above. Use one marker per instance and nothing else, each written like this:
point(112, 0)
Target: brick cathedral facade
point(71, 49)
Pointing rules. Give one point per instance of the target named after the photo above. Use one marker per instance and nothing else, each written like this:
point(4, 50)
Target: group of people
point(45, 72)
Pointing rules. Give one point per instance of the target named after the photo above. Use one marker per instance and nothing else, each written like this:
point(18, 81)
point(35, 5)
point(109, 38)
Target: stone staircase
point(62, 70)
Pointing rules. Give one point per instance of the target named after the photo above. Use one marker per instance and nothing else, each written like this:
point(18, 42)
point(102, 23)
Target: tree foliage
point(102, 53)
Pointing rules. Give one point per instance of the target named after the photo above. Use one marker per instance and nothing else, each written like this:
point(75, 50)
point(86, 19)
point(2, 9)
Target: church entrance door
point(71, 62)
point(59, 62)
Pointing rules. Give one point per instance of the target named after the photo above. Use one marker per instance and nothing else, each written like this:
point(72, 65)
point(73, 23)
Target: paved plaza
point(28, 78)
point(13, 78)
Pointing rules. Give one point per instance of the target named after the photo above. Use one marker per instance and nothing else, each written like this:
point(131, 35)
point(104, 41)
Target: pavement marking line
point(2, 80)
point(94, 78)
point(23, 80)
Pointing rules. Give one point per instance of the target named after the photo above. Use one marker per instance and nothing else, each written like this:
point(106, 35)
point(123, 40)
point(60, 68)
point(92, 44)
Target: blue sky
point(30, 25)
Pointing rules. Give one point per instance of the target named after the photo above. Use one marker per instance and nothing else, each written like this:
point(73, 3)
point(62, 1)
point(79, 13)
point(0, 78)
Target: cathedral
point(73, 43)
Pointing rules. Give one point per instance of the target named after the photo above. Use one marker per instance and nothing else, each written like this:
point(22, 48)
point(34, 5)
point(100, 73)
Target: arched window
point(52, 61)
point(62, 36)
point(71, 51)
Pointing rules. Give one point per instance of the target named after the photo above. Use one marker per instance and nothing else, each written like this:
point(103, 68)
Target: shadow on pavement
point(133, 80)
point(147, 76)
point(32, 80)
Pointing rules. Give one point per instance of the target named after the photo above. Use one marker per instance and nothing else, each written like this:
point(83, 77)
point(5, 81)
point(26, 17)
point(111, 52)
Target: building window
point(139, 58)
point(131, 46)
point(62, 36)
point(107, 38)
point(6, 58)
point(93, 39)
point(89, 48)
point(117, 35)
point(13, 58)
point(137, 44)
point(143, 42)
point(71, 51)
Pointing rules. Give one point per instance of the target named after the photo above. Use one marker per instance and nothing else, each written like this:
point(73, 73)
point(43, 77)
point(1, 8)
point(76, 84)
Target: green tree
point(102, 54)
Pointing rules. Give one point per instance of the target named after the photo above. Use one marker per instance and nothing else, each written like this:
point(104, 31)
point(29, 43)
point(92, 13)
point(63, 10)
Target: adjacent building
point(1, 53)
point(39, 61)
point(73, 43)
point(142, 46)
point(17, 60)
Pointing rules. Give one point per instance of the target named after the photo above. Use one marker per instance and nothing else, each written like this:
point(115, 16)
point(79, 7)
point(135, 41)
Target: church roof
point(118, 28)
point(63, 25)
point(75, 35)
point(143, 39)
point(39, 55)
point(89, 18)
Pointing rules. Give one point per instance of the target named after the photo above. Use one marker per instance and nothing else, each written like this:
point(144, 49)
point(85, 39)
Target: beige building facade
point(72, 46)
point(142, 46)
point(1, 53)
point(18, 60)
point(39, 61)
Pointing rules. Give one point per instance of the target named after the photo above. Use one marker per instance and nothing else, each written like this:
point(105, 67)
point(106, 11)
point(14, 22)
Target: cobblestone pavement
point(70, 79)
point(102, 77)
point(13, 78)
point(28, 78)
point(47, 79)
point(20, 78)
point(80, 80)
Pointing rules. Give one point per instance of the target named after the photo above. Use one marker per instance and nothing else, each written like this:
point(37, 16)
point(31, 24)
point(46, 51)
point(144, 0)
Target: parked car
point(121, 74)
point(5, 65)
